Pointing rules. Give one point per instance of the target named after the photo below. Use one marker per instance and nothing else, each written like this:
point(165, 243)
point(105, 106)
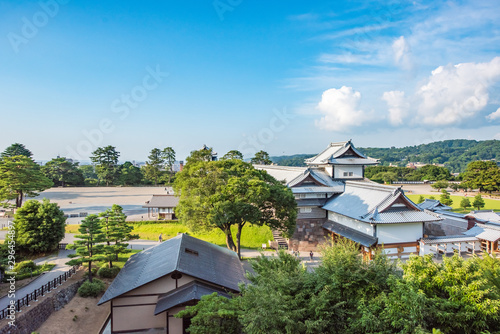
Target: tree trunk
point(229, 240)
point(90, 271)
point(238, 240)
point(19, 199)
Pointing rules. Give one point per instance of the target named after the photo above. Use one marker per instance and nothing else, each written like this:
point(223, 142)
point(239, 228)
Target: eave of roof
point(192, 291)
point(350, 233)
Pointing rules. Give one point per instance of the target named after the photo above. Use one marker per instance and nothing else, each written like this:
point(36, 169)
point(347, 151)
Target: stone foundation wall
point(309, 233)
point(32, 317)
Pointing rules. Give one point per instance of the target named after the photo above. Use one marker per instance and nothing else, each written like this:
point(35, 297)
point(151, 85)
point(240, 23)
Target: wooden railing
point(46, 288)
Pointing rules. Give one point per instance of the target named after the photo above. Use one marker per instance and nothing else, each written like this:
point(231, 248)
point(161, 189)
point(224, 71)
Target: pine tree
point(116, 233)
point(478, 202)
point(89, 247)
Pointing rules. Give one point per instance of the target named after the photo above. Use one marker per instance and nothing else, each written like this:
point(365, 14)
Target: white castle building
point(335, 200)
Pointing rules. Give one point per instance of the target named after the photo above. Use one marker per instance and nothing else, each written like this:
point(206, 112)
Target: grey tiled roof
point(350, 233)
point(212, 263)
point(282, 173)
point(374, 203)
point(489, 234)
point(448, 239)
point(193, 291)
point(162, 201)
point(433, 204)
point(486, 215)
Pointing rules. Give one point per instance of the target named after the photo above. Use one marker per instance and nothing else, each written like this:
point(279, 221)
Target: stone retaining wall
point(309, 233)
point(32, 317)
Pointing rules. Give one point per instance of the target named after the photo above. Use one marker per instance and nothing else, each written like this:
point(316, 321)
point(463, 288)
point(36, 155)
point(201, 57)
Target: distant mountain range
point(454, 154)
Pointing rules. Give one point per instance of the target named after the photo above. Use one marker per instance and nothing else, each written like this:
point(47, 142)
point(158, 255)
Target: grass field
point(491, 204)
point(253, 236)
point(122, 258)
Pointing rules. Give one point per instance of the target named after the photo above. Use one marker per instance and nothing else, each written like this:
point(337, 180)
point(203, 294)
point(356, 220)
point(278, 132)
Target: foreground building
point(160, 281)
point(335, 200)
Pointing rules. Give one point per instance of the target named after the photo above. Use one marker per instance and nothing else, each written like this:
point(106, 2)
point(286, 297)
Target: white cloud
point(341, 109)
point(497, 136)
point(454, 94)
point(494, 115)
point(398, 106)
point(402, 53)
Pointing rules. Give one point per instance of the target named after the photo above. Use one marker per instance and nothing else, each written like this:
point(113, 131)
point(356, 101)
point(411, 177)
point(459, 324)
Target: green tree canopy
point(105, 160)
point(261, 158)
point(39, 227)
point(204, 154)
point(484, 175)
point(16, 149)
point(478, 202)
point(116, 233)
point(445, 198)
point(465, 203)
point(226, 193)
point(88, 244)
point(169, 154)
point(440, 185)
point(63, 172)
point(345, 294)
point(130, 175)
point(233, 154)
point(20, 176)
point(154, 166)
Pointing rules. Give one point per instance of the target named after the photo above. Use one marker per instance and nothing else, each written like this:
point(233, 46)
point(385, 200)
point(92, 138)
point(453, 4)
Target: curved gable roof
point(341, 153)
point(374, 203)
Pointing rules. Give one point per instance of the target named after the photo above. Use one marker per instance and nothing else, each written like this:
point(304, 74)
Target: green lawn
point(122, 258)
point(491, 204)
point(253, 236)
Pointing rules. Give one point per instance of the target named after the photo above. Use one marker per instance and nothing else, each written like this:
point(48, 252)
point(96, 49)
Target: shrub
point(93, 289)
point(106, 272)
point(25, 267)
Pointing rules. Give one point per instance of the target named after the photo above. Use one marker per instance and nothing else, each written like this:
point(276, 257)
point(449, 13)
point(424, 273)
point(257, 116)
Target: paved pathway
point(59, 260)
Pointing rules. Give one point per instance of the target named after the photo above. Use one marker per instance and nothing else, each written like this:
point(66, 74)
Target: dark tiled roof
point(350, 233)
point(162, 201)
point(433, 204)
point(193, 291)
point(185, 254)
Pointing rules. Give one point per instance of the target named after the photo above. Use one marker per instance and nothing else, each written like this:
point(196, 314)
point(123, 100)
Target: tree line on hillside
point(454, 154)
point(345, 294)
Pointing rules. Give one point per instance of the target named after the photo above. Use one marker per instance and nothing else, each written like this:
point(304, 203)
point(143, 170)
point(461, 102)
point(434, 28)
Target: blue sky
point(287, 77)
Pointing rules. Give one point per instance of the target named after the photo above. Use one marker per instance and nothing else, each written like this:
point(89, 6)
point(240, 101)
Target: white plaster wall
point(395, 233)
point(357, 172)
point(352, 223)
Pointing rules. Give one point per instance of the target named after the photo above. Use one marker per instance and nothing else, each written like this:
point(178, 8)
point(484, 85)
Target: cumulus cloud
point(494, 115)
point(402, 53)
point(341, 109)
point(398, 106)
point(456, 93)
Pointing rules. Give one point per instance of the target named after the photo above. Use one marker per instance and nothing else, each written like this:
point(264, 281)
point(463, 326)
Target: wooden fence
point(46, 288)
